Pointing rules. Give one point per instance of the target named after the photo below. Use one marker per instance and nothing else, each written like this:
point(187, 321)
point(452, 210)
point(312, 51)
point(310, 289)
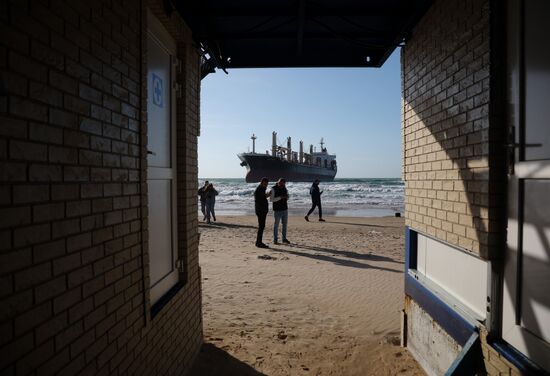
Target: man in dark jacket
point(262, 207)
point(279, 197)
point(202, 195)
point(315, 200)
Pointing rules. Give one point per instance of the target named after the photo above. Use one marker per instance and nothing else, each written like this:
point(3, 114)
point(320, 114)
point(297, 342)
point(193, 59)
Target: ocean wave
point(342, 193)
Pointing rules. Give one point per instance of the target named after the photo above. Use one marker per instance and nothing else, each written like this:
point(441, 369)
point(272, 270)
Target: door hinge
point(178, 89)
point(180, 265)
point(511, 151)
point(177, 64)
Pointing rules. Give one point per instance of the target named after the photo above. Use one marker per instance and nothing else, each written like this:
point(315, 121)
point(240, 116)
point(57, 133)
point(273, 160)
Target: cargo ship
point(283, 162)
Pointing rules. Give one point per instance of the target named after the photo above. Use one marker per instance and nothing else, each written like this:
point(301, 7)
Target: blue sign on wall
point(158, 91)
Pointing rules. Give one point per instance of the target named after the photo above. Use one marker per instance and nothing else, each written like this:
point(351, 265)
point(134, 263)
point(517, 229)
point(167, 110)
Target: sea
point(368, 197)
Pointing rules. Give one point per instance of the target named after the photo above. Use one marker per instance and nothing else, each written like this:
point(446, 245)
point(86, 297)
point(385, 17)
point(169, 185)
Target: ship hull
point(262, 165)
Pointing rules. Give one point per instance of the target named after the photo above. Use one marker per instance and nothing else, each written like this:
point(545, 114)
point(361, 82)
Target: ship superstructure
point(284, 162)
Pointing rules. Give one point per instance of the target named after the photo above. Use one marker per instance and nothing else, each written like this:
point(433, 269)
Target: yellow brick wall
point(494, 363)
point(445, 125)
point(450, 149)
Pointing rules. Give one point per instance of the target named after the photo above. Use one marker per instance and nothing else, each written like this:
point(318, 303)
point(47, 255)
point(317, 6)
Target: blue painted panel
point(411, 248)
point(454, 324)
point(469, 361)
point(523, 364)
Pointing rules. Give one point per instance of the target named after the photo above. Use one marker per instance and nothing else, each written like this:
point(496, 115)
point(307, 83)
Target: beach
point(327, 304)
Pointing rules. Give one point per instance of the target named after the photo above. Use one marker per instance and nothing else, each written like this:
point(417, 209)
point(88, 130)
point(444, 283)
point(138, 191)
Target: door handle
point(151, 152)
point(511, 147)
point(518, 145)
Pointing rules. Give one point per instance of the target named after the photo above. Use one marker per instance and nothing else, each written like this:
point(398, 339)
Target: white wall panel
point(461, 275)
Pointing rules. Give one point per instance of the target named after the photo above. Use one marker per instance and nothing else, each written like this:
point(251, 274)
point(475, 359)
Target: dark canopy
point(300, 33)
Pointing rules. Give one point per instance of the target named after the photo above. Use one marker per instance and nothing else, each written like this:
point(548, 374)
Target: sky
point(356, 111)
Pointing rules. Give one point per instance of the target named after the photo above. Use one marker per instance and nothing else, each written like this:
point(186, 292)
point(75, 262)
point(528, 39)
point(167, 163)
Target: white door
point(526, 290)
point(161, 159)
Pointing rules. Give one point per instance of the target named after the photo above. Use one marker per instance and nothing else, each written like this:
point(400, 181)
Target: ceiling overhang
point(300, 33)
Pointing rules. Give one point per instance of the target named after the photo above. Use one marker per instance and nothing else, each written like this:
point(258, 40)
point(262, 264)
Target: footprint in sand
point(282, 335)
point(267, 257)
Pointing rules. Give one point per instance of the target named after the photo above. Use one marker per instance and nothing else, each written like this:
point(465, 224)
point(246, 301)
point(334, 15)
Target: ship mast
point(322, 142)
point(253, 138)
point(274, 144)
point(289, 149)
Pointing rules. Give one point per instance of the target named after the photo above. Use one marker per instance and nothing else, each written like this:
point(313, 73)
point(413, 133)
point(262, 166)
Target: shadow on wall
point(213, 361)
point(449, 147)
point(455, 132)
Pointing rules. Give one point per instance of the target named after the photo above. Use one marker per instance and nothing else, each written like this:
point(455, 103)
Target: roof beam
point(300, 31)
point(363, 11)
point(292, 35)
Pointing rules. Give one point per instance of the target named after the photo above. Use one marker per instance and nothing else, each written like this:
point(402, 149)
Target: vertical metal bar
point(521, 98)
point(520, 157)
point(519, 273)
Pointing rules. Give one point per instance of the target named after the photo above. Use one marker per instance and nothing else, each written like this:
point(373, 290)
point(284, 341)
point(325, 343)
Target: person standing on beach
point(210, 194)
point(202, 195)
point(279, 197)
point(315, 200)
point(262, 207)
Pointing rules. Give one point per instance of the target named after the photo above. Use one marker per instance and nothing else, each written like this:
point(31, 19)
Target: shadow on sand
point(213, 361)
point(220, 225)
point(334, 260)
point(358, 224)
point(348, 254)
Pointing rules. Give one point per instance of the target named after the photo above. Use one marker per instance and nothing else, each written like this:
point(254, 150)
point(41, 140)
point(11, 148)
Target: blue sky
point(357, 111)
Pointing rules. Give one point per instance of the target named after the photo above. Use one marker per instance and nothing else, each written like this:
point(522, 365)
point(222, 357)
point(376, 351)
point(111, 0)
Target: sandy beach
point(327, 304)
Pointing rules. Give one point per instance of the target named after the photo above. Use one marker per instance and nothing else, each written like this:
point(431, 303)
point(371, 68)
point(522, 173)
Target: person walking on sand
point(210, 194)
point(279, 197)
point(315, 200)
point(262, 207)
point(202, 196)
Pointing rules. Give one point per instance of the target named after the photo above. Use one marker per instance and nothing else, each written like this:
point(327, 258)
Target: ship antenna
point(322, 142)
point(253, 138)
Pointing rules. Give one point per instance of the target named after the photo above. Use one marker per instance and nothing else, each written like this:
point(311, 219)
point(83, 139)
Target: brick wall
point(448, 153)
point(452, 162)
point(73, 241)
point(495, 364)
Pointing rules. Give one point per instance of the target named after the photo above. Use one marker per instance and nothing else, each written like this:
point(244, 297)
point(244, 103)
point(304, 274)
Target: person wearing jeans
point(211, 194)
point(279, 197)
